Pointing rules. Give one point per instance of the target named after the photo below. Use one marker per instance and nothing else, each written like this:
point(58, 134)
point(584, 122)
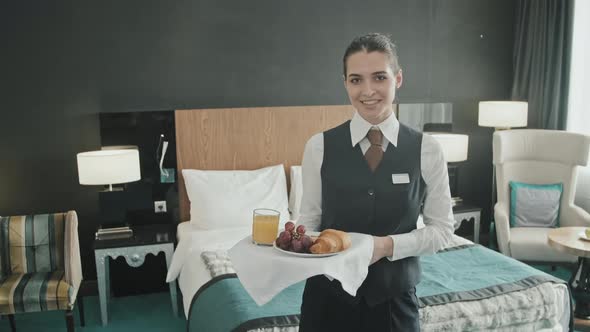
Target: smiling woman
point(384, 171)
point(371, 76)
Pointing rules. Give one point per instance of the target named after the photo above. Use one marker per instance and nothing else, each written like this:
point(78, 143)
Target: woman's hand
point(382, 247)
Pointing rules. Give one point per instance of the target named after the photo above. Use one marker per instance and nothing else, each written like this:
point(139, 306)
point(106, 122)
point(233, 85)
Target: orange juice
point(265, 226)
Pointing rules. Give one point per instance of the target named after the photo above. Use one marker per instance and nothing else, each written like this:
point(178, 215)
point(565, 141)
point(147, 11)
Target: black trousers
point(326, 307)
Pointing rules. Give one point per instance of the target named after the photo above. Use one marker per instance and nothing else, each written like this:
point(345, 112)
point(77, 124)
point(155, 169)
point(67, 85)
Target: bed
point(508, 295)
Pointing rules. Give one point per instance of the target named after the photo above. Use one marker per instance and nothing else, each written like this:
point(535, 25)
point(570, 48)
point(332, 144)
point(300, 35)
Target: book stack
point(112, 233)
point(456, 200)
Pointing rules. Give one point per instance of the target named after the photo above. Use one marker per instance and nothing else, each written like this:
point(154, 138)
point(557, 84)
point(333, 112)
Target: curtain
point(578, 119)
point(541, 58)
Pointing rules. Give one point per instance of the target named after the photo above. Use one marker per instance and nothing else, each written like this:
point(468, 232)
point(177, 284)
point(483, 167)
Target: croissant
point(330, 240)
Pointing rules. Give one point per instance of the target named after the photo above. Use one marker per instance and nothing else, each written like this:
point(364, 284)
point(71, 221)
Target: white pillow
point(296, 191)
point(227, 199)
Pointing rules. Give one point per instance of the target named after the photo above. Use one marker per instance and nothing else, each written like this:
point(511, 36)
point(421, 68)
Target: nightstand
point(468, 213)
point(151, 239)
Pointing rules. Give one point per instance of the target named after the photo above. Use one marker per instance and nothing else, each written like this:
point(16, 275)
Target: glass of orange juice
point(265, 226)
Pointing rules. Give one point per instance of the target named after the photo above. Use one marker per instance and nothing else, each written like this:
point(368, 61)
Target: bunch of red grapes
point(294, 239)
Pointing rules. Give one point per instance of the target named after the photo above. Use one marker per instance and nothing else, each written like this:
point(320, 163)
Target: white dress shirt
point(437, 212)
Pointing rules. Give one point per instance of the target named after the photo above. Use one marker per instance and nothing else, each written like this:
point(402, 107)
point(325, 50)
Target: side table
point(567, 240)
point(151, 239)
point(468, 213)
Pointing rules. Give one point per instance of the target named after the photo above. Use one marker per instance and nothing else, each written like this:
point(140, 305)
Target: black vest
point(354, 199)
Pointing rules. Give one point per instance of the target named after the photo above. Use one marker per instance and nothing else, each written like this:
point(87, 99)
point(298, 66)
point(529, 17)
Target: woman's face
point(371, 85)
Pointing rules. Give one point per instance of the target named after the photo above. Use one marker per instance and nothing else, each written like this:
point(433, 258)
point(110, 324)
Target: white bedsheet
point(187, 264)
point(192, 273)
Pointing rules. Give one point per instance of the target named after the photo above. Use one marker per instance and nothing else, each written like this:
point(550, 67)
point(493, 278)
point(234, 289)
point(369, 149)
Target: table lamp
point(454, 148)
point(108, 167)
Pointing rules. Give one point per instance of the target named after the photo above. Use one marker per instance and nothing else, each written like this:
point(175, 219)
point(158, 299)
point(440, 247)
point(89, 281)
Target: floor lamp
point(501, 115)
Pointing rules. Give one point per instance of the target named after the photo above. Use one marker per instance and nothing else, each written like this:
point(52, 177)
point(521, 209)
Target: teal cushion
point(535, 205)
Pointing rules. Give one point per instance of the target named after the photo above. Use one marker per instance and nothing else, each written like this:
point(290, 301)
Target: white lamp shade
point(503, 114)
point(454, 146)
point(108, 167)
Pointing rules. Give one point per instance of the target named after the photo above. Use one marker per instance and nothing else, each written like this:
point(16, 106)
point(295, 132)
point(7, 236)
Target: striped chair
point(40, 265)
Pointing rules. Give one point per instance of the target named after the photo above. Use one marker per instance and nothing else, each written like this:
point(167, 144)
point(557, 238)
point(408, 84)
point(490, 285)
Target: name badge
point(400, 178)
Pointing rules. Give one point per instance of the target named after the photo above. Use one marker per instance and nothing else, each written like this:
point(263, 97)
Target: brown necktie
point(375, 153)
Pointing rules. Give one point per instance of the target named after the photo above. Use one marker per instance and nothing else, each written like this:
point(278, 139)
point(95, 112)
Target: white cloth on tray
point(265, 271)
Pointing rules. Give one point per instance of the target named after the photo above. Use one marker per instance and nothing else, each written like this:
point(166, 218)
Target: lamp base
point(456, 200)
point(109, 188)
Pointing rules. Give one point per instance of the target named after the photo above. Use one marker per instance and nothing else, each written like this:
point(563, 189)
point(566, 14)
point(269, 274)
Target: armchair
point(40, 266)
point(583, 189)
point(537, 157)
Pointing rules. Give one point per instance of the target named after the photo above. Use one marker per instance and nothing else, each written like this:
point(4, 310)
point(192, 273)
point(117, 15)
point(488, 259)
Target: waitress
point(371, 175)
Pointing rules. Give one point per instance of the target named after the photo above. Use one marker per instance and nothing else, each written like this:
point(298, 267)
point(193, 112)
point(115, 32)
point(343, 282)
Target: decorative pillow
point(217, 262)
point(296, 191)
point(534, 205)
point(227, 199)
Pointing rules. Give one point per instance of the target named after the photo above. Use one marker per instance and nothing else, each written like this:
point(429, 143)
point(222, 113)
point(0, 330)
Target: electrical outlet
point(160, 206)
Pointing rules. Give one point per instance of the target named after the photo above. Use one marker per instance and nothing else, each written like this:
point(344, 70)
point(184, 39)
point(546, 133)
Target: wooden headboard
point(247, 138)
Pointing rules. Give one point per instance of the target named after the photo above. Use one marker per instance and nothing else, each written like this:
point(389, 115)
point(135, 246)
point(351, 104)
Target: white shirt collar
point(359, 128)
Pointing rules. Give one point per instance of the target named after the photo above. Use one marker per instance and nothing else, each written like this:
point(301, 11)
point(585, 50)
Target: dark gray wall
point(64, 63)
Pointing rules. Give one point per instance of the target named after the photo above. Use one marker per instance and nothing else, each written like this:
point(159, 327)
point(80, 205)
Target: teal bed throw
point(473, 272)
point(464, 273)
point(223, 305)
